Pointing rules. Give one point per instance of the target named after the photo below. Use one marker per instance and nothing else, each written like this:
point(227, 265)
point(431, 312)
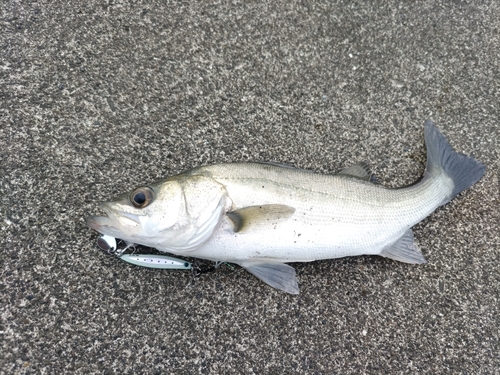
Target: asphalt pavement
point(97, 98)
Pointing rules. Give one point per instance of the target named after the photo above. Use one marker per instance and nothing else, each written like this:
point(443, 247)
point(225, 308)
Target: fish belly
point(294, 242)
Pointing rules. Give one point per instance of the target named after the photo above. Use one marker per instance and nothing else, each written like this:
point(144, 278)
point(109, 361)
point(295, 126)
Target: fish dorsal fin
point(281, 165)
point(359, 170)
point(278, 275)
point(404, 250)
point(255, 216)
point(275, 164)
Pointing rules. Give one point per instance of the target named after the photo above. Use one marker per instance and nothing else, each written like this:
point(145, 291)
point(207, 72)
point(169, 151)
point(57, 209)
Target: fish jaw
point(117, 223)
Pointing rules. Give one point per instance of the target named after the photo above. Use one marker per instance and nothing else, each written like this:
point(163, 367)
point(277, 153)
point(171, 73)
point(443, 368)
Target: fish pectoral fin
point(278, 275)
point(360, 170)
point(404, 250)
point(255, 216)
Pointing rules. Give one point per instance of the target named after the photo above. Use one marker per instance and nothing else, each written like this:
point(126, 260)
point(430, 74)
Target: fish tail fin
point(463, 170)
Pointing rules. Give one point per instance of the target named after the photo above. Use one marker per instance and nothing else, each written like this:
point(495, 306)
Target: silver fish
point(262, 215)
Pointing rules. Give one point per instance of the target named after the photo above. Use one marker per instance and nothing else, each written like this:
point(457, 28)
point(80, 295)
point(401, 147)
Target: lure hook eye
point(141, 197)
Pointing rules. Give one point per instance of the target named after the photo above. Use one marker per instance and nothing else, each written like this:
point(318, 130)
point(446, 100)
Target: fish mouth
point(111, 223)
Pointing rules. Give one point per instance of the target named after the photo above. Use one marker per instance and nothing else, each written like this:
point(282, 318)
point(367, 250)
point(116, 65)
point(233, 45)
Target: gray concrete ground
point(99, 98)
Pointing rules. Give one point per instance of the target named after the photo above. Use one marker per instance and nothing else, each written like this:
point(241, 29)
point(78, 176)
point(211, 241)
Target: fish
point(262, 216)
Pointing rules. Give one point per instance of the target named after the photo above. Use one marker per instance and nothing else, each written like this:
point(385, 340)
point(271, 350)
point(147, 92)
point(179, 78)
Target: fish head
point(176, 214)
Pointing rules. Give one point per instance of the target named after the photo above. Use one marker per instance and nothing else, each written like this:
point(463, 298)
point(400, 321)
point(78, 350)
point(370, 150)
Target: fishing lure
point(108, 244)
point(156, 261)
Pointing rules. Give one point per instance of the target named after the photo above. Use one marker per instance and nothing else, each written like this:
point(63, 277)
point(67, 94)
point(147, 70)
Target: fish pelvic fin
point(404, 250)
point(278, 275)
point(463, 170)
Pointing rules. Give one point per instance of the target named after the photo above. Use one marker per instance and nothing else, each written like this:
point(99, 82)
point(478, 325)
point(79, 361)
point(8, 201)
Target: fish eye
point(141, 197)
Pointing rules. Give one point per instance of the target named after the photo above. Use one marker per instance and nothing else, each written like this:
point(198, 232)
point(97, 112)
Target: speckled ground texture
point(97, 99)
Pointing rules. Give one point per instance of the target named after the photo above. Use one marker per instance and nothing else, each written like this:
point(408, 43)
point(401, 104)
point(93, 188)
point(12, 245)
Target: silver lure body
point(261, 216)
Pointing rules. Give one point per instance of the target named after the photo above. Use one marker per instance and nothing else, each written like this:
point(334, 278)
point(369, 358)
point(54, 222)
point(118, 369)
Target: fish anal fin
point(404, 250)
point(278, 275)
point(359, 170)
point(258, 216)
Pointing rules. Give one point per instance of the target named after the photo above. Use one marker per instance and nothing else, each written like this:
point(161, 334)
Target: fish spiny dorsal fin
point(255, 216)
point(281, 165)
point(359, 170)
point(276, 164)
